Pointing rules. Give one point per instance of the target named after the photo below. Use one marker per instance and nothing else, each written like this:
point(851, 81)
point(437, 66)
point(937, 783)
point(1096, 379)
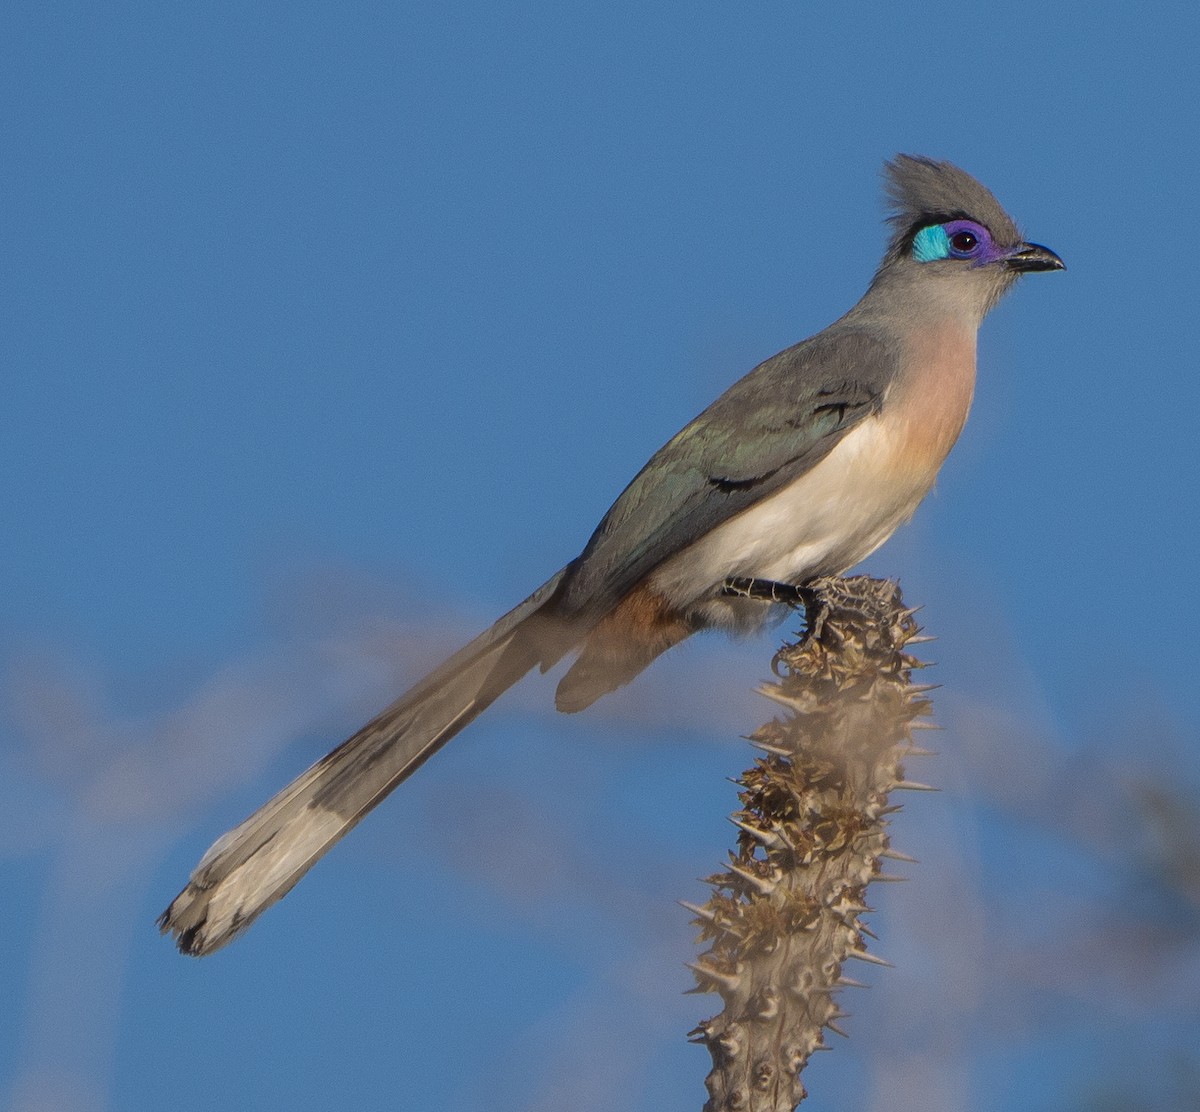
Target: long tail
point(258, 861)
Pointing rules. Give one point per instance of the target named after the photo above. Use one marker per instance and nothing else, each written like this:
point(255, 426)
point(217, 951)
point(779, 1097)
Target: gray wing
point(767, 429)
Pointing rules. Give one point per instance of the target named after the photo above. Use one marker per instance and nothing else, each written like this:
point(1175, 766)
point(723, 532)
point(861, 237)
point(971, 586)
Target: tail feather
point(626, 640)
point(259, 861)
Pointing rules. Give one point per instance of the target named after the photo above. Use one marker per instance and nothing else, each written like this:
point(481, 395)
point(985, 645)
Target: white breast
point(821, 524)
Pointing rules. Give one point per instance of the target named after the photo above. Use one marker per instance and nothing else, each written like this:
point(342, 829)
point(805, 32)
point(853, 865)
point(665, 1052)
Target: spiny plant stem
point(784, 914)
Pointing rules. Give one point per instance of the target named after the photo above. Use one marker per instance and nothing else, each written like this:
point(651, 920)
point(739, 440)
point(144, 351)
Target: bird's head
point(950, 230)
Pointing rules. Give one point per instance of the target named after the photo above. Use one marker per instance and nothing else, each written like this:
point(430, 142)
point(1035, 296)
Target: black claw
point(799, 596)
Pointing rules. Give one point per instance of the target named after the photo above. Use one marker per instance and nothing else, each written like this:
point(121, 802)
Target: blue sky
point(332, 329)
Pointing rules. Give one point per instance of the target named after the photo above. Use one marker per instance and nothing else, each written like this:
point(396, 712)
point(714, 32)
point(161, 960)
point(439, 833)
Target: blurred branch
point(1172, 1085)
point(784, 914)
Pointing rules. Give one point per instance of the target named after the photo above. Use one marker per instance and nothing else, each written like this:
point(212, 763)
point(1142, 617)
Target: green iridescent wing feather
point(765, 431)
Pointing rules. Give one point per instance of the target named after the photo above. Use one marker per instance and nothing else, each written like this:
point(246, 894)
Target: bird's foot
point(767, 590)
point(797, 596)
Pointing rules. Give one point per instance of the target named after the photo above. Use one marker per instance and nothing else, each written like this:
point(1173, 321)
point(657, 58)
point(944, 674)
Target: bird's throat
point(926, 407)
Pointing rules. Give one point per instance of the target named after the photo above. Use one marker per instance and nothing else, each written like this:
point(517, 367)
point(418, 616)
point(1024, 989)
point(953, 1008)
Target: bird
point(800, 469)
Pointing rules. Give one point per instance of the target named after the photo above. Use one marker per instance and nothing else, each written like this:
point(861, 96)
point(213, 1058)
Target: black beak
point(1033, 256)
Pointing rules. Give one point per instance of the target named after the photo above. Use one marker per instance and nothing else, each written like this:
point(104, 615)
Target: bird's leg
point(766, 590)
point(795, 595)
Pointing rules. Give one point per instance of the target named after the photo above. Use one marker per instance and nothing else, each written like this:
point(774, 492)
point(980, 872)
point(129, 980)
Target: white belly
point(823, 523)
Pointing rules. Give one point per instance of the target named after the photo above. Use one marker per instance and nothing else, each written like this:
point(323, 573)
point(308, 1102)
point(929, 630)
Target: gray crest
point(923, 191)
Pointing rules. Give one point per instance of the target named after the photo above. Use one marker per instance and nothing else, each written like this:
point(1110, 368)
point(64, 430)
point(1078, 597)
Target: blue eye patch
point(931, 243)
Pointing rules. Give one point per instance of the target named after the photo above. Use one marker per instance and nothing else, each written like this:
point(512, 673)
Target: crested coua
point(800, 469)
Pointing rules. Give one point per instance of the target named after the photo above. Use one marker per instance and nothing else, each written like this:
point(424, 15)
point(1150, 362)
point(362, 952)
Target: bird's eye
point(964, 242)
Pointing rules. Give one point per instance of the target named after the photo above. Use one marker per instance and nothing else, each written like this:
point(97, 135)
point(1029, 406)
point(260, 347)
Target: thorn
point(867, 931)
point(823, 1046)
point(768, 838)
point(896, 855)
point(699, 912)
point(891, 810)
point(874, 959)
point(728, 981)
point(776, 695)
point(917, 724)
point(920, 639)
point(911, 786)
point(836, 1029)
point(909, 611)
point(714, 918)
point(887, 878)
point(849, 982)
point(760, 884)
point(917, 751)
point(921, 688)
point(697, 1034)
point(773, 750)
